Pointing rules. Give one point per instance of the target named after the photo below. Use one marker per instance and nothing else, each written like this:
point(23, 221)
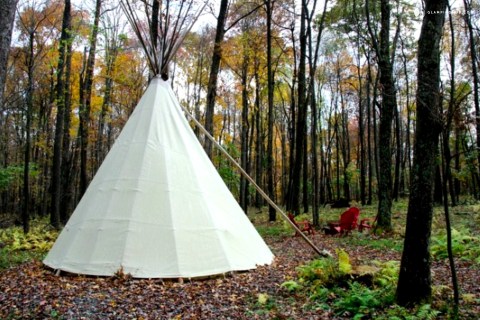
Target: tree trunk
point(272, 214)
point(258, 142)
point(448, 226)
point(345, 147)
point(316, 127)
point(414, 283)
point(476, 80)
point(447, 182)
point(370, 153)
point(437, 187)
point(8, 9)
point(447, 178)
point(407, 153)
point(398, 155)
point(291, 137)
point(29, 109)
point(244, 135)
point(361, 131)
point(111, 52)
point(388, 106)
point(214, 69)
point(87, 84)
point(302, 117)
point(458, 136)
point(60, 118)
point(66, 206)
point(305, 198)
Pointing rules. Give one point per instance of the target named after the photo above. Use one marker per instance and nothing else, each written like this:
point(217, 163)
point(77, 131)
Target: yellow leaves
point(366, 270)
point(469, 298)
point(96, 104)
point(262, 298)
point(344, 261)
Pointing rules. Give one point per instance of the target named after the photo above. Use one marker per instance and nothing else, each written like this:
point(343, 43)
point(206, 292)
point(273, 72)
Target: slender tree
point(259, 141)
point(31, 22)
point(68, 187)
point(313, 61)
point(214, 70)
point(301, 127)
point(272, 214)
point(476, 78)
point(112, 28)
point(60, 118)
point(389, 104)
point(86, 98)
point(244, 159)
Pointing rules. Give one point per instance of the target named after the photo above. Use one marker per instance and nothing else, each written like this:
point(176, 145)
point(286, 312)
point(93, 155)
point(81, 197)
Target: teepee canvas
point(157, 208)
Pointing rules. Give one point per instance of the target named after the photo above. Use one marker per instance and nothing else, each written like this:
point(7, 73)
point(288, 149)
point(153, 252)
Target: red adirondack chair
point(348, 222)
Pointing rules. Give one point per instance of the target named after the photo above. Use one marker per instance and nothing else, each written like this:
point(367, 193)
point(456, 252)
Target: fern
point(291, 285)
point(388, 274)
point(361, 301)
point(425, 312)
point(465, 246)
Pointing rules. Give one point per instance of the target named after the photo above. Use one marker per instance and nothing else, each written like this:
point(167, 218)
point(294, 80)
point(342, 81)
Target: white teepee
point(157, 208)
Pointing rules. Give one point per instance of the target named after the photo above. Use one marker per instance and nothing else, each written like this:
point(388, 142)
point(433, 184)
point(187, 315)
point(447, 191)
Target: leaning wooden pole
point(323, 253)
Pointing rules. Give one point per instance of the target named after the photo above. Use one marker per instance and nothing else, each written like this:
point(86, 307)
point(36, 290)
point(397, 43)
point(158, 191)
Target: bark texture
point(414, 283)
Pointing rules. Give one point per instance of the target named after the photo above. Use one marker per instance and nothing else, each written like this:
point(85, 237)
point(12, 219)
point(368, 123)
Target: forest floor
point(31, 291)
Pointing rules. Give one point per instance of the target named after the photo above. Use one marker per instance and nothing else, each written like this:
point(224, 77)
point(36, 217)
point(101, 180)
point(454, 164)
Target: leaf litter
point(33, 291)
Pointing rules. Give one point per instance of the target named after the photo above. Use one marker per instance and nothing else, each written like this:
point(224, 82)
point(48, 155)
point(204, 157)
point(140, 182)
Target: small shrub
point(320, 272)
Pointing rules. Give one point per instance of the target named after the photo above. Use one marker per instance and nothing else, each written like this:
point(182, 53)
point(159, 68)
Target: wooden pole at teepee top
point(323, 253)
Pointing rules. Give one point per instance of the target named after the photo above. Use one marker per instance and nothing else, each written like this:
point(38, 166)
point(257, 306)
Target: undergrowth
point(465, 245)
point(353, 291)
point(18, 247)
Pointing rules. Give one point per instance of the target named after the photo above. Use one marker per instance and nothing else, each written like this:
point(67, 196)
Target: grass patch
point(274, 231)
point(374, 242)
